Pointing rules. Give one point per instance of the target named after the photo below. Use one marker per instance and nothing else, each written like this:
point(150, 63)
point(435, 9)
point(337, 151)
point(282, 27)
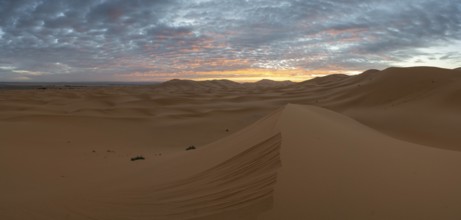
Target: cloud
point(106, 39)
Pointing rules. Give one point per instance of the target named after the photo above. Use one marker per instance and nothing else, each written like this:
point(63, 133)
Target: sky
point(242, 40)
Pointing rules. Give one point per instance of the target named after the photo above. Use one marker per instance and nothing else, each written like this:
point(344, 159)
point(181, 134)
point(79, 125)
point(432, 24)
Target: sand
point(379, 145)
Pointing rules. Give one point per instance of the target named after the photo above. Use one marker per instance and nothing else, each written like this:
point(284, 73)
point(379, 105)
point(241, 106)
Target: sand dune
point(323, 165)
point(178, 85)
point(267, 83)
point(418, 104)
point(190, 85)
point(325, 80)
point(345, 170)
point(379, 145)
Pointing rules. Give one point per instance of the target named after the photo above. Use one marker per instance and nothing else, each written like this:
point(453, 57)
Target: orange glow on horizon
point(242, 75)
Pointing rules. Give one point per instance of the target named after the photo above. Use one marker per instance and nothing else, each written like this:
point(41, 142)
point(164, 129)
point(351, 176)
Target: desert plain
point(384, 144)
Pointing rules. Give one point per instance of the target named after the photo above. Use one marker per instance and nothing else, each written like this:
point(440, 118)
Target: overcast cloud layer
point(136, 40)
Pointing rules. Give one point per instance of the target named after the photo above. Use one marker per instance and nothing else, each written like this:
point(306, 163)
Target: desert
point(377, 145)
point(230, 110)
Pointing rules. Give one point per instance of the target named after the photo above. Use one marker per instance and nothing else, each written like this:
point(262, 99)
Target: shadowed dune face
point(382, 145)
point(244, 180)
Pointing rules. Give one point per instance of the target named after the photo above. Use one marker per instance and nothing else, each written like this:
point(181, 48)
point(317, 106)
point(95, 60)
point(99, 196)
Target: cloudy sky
point(155, 40)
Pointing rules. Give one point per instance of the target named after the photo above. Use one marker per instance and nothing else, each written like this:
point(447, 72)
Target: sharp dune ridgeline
point(383, 144)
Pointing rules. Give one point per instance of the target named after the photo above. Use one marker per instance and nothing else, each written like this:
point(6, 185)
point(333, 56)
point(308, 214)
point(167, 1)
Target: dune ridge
point(363, 173)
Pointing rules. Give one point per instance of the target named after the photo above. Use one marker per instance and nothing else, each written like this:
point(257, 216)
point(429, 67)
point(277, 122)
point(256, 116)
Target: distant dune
point(270, 83)
point(190, 85)
point(378, 145)
point(177, 85)
point(409, 103)
point(333, 78)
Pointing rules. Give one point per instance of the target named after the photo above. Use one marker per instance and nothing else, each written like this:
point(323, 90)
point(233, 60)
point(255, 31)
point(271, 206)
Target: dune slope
point(300, 162)
point(336, 168)
point(215, 181)
point(417, 104)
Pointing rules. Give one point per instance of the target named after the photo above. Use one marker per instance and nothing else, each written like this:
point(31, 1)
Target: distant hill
point(223, 84)
point(324, 80)
point(392, 86)
point(191, 85)
point(267, 83)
